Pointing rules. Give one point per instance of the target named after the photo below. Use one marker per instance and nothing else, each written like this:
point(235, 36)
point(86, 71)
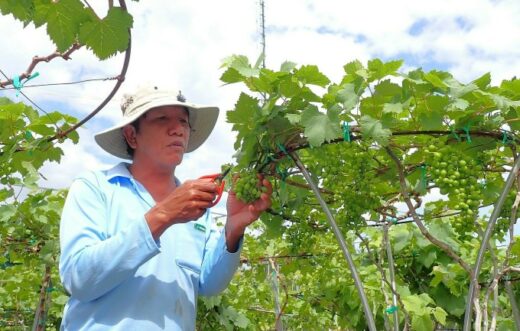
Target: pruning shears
point(219, 180)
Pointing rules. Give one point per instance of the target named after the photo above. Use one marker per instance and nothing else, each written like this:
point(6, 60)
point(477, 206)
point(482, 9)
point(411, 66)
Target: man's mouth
point(176, 144)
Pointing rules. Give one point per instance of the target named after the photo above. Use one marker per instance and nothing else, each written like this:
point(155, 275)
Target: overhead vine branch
point(38, 59)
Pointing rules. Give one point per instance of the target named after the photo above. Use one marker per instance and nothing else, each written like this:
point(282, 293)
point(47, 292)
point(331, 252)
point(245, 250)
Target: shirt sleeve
point(91, 262)
point(219, 265)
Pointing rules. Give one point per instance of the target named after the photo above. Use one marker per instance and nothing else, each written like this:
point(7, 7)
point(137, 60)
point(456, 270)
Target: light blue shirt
point(118, 276)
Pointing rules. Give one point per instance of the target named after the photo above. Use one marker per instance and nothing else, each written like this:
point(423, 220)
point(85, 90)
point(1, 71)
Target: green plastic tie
point(391, 309)
point(28, 135)
point(268, 159)
point(454, 133)
point(283, 174)
point(505, 138)
point(36, 74)
point(346, 131)
point(282, 148)
point(393, 220)
point(468, 137)
point(18, 84)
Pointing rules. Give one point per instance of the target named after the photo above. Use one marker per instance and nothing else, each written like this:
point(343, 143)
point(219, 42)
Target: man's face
point(163, 135)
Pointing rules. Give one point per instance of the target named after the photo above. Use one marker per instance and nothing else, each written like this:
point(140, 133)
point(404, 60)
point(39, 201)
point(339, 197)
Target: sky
point(180, 45)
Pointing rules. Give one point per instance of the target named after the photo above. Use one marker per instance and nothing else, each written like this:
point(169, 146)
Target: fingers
point(204, 184)
point(267, 184)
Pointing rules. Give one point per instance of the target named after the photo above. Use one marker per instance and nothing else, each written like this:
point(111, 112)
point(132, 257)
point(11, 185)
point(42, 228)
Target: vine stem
point(392, 275)
point(37, 59)
point(44, 301)
point(339, 236)
point(483, 246)
point(120, 80)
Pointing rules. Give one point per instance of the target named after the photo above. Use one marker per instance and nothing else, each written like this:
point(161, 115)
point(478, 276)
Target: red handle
point(220, 189)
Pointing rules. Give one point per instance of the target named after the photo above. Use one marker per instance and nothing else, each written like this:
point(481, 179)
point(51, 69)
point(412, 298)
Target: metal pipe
point(392, 276)
point(339, 236)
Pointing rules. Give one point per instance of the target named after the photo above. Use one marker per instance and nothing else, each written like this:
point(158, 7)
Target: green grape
point(246, 187)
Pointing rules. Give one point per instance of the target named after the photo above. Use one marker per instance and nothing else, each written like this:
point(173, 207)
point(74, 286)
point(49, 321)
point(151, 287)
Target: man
point(138, 246)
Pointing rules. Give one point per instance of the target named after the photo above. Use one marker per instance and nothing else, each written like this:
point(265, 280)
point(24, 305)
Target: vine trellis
point(392, 128)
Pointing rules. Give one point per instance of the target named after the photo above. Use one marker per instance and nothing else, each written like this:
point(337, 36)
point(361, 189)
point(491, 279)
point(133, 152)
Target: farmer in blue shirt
point(138, 246)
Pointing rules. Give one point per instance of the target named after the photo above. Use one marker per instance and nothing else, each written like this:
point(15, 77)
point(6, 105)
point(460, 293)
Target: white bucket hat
point(202, 119)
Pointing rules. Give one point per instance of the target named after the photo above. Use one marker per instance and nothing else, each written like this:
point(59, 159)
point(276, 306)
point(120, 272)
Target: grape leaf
point(431, 120)
point(352, 67)
point(440, 314)
point(348, 96)
point(63, 22)
point(241, 64)
point(372, 128)
point(435, 80)
point(320, 127)
point(244, 111)
point(377, 69)
point(483, 81)
point(395, 108)
point(287, 66)
point(41, 11)
point(20, 9)
point(310, 74)
point(231, 75)
point(422, 322)
point(109, 35)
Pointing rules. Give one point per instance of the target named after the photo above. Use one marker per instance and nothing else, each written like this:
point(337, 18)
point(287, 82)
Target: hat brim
point(202, 121)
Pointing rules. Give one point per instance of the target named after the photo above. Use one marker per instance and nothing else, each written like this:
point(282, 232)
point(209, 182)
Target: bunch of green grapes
point(349, 173)
point(456, 175)
point(247, 186)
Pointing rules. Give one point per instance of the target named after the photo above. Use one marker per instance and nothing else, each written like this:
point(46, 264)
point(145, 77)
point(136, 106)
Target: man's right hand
point(187, 202)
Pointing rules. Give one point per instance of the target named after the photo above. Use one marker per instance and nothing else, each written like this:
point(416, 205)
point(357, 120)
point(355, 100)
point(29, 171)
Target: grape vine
point(386, 147)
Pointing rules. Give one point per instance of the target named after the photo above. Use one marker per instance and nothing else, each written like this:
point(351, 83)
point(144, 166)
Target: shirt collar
point(121, 170)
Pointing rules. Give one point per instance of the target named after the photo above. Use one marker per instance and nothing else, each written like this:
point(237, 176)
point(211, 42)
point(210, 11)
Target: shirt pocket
point(190, 243)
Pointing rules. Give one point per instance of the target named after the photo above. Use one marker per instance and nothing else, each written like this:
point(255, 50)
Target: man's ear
point(130, 135)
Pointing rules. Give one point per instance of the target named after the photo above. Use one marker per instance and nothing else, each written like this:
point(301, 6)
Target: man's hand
point(240, 214)
point(187, 202)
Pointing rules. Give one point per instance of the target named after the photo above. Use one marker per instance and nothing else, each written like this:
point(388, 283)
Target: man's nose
point(175, 128)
